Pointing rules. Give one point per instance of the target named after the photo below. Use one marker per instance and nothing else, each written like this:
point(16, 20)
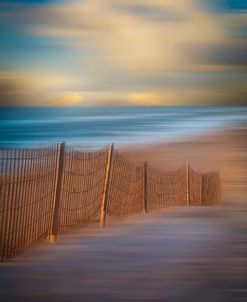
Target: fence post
point(187, 183)
point(58, 192)
point(218, 188)
point(145, 174)
point(106, 187)
point(202, 190)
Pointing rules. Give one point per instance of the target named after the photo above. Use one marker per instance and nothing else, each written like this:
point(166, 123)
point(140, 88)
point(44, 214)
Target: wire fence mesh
point(166, 189)
point(195, 188)
point(27, 187)
point(126, 188)
point(29, 183)
point(84, 175)
point(211, 192)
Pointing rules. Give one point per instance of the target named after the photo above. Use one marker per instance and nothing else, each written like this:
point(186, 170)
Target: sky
point(123, 52)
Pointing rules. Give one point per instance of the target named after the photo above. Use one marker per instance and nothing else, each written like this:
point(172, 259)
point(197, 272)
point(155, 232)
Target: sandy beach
point(225, 150)
point(180, 254)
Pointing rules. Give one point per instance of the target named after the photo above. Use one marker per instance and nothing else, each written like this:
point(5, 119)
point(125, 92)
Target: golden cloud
point(130, 41)
point(118, 41)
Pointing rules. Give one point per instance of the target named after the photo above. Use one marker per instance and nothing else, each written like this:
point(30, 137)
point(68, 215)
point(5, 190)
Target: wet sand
point(182, 254)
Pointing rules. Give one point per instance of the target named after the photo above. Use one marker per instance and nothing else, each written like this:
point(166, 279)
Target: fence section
point(55, 189)
point(126, 188)
point(166, 189)
point(83, 185)
point(195, 188)
point(210, 188)
point(27, 188)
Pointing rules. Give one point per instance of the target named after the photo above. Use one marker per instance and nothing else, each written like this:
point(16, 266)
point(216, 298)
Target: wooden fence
point(47, 191)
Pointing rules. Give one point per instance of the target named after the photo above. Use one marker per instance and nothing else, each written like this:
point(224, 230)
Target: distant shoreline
point(123, 126)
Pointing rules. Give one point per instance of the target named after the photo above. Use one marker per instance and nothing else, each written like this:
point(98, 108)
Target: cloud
point(196, 96)
point(21, 89)
point(36, 89)
point(121, 34)
point(233, 55)
point(68, 100)
point(130, 52)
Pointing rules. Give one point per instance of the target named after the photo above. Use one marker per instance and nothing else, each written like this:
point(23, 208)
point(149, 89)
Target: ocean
point(98, 126)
